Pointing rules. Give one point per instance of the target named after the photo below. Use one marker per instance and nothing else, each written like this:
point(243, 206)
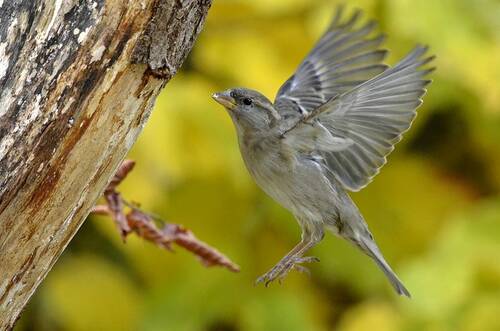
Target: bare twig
point(115, 205)
point(209, 256)
point(120, 175)
point(143, 224)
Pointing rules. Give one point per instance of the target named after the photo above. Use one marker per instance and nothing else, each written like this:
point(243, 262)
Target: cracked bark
point(78, 79)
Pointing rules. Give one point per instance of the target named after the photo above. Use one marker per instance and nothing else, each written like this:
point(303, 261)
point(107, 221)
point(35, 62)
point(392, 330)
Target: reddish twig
point(101, 210)
point(142, 223)
point(208, 255)
point(145, 227)
point(115, 205)
point(121, 173)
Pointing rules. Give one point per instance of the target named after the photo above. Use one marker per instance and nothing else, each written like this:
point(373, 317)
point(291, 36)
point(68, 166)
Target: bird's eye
point(247, 101)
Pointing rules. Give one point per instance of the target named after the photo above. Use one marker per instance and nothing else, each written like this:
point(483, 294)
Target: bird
point(329, 131)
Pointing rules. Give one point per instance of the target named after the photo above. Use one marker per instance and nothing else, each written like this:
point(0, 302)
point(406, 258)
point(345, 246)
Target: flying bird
point(329, 131)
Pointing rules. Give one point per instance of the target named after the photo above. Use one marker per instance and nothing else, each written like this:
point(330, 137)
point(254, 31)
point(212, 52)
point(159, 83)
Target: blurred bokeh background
point(434, 209)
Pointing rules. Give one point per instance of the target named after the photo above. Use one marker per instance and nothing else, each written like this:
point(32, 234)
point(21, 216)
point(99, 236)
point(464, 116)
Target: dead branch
point(143, 224)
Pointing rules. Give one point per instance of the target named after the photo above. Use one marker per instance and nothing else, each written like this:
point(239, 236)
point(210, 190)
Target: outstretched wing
point(343, 58)
point(354, 132)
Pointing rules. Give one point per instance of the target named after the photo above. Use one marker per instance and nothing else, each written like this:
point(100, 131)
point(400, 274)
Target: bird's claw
point(305, 259)
point(272, 274)
point(281, 270)
point(302, 269)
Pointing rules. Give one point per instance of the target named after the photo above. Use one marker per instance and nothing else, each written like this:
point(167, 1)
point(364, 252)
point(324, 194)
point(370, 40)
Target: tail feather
point(370, 247)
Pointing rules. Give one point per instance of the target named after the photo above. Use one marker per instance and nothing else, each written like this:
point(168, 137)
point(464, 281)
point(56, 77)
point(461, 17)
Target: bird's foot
point(280, 270)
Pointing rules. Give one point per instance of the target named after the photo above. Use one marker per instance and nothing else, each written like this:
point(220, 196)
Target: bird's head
point(250, 111)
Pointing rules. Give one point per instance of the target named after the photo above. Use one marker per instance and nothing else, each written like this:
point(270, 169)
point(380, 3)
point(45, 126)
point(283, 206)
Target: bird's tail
point(369, 246)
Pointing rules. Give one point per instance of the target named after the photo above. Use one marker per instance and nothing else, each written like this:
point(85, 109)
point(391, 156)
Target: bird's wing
point(343, 58)
point(354, 132)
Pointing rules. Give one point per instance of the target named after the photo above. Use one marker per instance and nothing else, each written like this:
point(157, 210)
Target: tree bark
point(78, 79)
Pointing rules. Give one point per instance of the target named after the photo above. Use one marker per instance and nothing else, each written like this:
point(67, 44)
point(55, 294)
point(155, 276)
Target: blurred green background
point(434, 209)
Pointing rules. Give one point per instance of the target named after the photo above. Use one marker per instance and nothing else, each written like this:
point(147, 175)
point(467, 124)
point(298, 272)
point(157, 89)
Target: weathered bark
point(78, 79)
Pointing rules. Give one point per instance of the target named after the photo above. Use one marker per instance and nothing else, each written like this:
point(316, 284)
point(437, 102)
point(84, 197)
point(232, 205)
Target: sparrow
point(329, 131)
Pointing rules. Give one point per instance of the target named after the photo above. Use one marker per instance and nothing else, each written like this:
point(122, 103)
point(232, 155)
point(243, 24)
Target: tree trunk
point(78, 79)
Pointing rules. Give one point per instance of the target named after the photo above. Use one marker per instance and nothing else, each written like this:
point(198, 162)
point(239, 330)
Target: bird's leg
point(293, 260)
point(276, 270)
point(298, 259)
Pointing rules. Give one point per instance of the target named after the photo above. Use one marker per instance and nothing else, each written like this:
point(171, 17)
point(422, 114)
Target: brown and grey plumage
point(330, 129)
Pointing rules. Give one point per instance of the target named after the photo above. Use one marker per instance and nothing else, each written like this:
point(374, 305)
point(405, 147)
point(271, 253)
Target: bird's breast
point(269, 165)
point(296, 184)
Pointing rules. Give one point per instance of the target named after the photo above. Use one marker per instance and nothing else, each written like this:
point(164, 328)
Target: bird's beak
point(225, 99)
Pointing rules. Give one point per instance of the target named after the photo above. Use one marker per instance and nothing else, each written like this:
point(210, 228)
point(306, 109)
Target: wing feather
point(343, 58)
point(366, 121)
